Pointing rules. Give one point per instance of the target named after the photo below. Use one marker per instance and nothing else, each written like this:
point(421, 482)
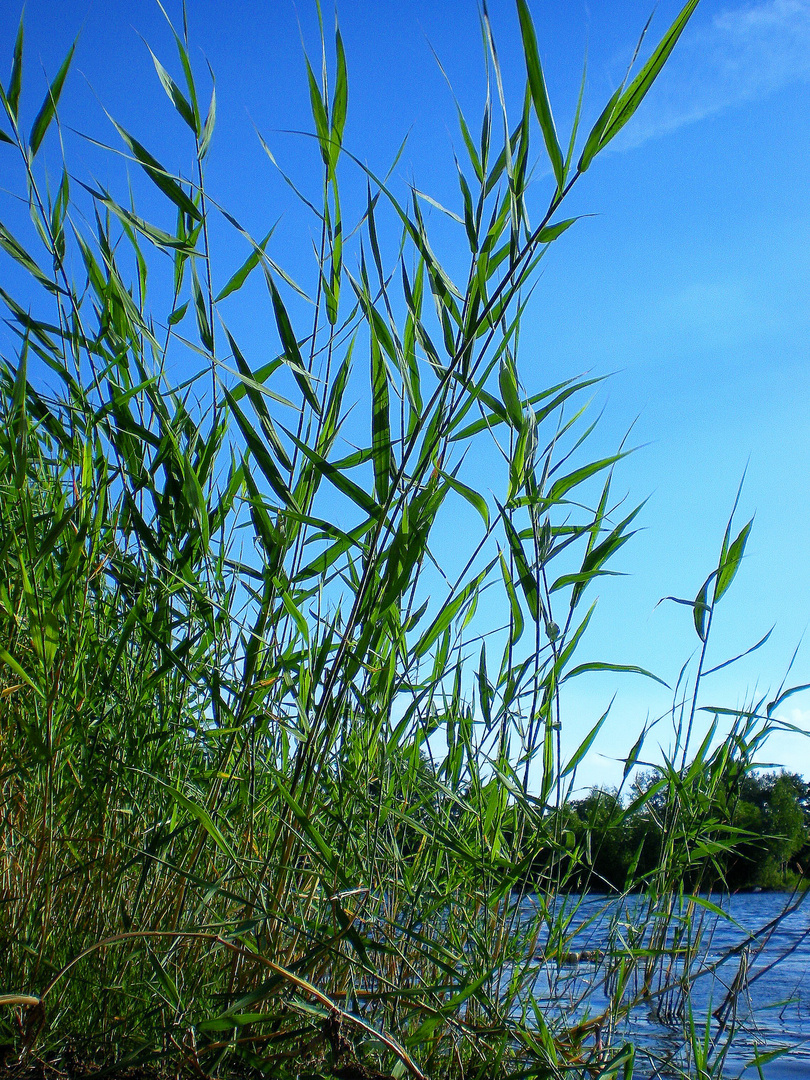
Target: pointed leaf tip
point(539, 93)
point(15, 82)
point(48, 108)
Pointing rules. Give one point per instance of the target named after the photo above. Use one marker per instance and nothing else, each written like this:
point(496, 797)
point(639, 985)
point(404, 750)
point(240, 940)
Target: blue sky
point(689, 282)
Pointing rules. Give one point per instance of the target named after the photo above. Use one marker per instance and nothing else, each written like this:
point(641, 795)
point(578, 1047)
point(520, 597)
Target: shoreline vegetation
point(768, 816)
point(275, 772)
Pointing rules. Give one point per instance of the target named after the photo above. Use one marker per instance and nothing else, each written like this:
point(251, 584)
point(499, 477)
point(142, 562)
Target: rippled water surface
point(769, 957)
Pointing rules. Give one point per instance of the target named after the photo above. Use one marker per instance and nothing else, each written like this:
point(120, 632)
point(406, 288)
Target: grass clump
point(274, 791)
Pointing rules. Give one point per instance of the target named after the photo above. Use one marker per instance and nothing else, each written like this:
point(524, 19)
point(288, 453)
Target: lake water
point(768, 956)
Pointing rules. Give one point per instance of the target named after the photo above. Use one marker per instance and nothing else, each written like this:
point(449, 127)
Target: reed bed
point(275, 772)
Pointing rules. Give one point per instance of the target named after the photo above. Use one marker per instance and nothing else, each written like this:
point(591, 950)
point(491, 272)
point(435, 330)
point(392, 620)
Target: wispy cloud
point(798, 718)
point(746, 52)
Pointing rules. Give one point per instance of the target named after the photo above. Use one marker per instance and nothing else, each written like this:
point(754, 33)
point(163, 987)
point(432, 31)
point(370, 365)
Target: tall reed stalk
point(273, 776)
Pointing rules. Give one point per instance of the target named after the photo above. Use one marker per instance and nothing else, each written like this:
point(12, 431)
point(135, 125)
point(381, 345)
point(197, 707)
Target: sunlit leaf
point(48, 107)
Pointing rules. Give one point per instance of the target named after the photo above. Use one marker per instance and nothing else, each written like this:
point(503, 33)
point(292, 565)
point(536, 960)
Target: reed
point(272, 777)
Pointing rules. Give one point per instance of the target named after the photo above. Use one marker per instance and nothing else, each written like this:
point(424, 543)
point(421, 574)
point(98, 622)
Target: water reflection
point(755, 991)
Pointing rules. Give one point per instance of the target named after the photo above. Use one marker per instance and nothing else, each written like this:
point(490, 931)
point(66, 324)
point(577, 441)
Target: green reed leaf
point(151, 232)
point(598, 554)
point(201, 814)
point(598, 665)
point(577, 117)
point(507, 381)
point(159, 176)
point(15, 249)
point(336, 477)
point(320, 116)
point(210, 120)
point(623, 104)
point(238, 280)
point(170, 991)
point(309, 827)
point(474, 498)
point(257, 392)
point(450, 610)
point(702, 608)
point(581, 751)
point(293, 611)
point(593, 143)
point(551, 232)
point(561, 487)
point(20, 672)
point(174, 93)
point(525, 574)
point(730, 562)
point(341, 96)
point(292, 353)
point(178, 313)
point(15, 82)
point(537, 84)
point(260, 453)
point(475, 161)
point(48, 107)
point(266, 532)
point(201, 311)
point(193, 492)
point(344, 542)
point(380, 422)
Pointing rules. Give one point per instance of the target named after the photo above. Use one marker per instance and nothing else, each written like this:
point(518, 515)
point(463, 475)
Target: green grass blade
point(240, 277)
point(20, 672)
point(320, 116)
point(630, 100)
point(583, 748)
point(731, 561)
point(340, 98)
point(48, 107)
point(342, 483)
point(474, 498)
point(260, 453)
point(174, 93)
point(593, 143)
point(537, 84)
point(507, 381)
point(210, 121)
point(380, 422)
point(526, 576)
point(450, 609)
point(15, 82)
point(598, 665)
point(158, 175)
point(289, 343)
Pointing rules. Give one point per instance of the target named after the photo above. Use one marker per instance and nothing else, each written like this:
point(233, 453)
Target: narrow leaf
point(731, 563)
point(474, 498)
point(210, 120)
point(159, 176)
point(290, 345)
point(525, 575)
point(598, 665)
point(46, 112)
point(15, 82)
point(638, 88)
point(340, 99)
point(537, 84)
point(380, 421)
point(585, 745)
point(174, 93)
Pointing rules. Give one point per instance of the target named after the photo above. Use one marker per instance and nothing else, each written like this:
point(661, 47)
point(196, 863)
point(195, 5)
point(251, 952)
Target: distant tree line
point(757, 836)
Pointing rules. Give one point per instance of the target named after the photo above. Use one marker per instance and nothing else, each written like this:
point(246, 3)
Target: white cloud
point(744, 53)
point(726, 311)
point(797, 718)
